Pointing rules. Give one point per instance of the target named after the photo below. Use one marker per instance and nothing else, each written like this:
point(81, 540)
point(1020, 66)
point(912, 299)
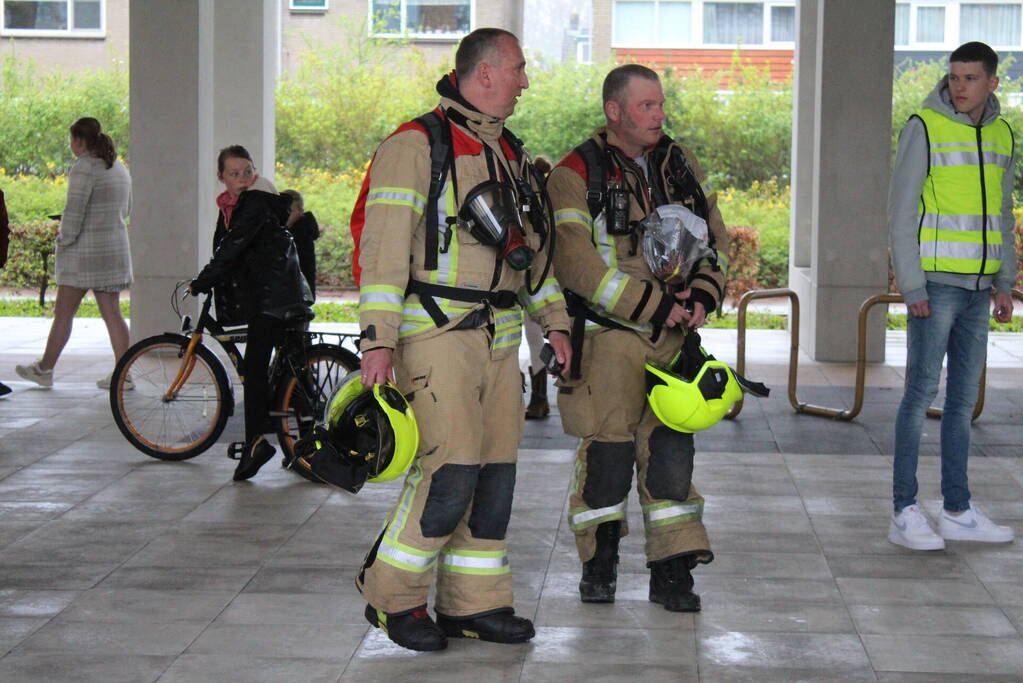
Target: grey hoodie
point(908, 177)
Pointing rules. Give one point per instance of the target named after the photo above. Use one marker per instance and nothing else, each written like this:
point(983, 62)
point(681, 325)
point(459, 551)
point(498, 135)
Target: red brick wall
point(710, 60)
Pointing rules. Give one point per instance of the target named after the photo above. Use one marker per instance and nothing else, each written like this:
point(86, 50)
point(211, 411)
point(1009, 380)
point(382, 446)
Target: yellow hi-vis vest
point(961, 202)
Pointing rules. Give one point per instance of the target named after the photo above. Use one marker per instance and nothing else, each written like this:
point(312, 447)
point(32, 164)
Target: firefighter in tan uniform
point(441, 306)
point(622, 317)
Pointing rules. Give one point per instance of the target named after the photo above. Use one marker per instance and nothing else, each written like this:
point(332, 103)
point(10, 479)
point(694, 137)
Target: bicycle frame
point(228, 342)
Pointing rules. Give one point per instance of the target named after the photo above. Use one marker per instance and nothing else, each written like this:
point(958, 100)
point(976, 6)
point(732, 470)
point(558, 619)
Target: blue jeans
point(957, 327)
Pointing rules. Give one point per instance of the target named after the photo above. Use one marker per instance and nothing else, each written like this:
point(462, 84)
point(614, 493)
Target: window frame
point(997, 47)
point(69, 33)
point(322, 8)
point(426, 37)
point(695, 41)
point(953, 25)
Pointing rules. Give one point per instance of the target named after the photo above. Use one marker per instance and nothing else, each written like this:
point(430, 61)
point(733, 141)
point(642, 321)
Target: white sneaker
point(911, 529)
point(106, 381)
point(972, 525)
point(33, 373)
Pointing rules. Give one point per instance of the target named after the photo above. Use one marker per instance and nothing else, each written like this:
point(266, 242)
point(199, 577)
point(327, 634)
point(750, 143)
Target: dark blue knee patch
point(451, 489)
point(608, 473)
point(491, 507)
point(670, 468)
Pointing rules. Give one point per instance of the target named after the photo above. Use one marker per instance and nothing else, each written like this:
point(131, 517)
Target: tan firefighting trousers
point(454, 507)
point(608, 410)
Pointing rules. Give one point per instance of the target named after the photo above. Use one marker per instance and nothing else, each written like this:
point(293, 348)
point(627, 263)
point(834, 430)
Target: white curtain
point(676, 23)
point(901, 24)
point(930, 25)
point(633, 21)
point(733, 22)
point(783, 24)
point(997, 25)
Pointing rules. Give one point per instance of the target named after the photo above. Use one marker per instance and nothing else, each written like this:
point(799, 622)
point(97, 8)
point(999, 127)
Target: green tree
point(561, 107)
point(346, 98)
point(36, 110)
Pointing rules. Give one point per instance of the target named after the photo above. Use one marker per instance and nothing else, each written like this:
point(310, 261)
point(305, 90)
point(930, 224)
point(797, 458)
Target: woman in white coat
point(92, 247)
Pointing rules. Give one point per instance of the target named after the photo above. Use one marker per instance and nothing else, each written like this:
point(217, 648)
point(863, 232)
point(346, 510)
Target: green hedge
point(343, 100)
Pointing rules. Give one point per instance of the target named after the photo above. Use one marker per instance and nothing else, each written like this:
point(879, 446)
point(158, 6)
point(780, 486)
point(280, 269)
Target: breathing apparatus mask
point(674, 240)
point(491, 212)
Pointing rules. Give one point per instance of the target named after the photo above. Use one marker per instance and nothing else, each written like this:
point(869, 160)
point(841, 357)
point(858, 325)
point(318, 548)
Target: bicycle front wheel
point(170, 424)
point(302, 399)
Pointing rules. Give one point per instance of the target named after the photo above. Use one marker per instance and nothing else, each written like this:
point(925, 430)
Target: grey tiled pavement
point(118, 567)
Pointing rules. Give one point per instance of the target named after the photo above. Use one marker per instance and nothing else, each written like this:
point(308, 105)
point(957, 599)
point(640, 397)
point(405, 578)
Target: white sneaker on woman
point(33, 373)
point(972, 525)
point(910, 529)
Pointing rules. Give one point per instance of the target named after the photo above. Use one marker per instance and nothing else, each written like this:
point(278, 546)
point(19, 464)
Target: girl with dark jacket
point(256, 273)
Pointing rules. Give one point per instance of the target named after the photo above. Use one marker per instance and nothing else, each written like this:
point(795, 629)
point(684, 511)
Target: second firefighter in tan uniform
point(624, 317)
point(445, 310)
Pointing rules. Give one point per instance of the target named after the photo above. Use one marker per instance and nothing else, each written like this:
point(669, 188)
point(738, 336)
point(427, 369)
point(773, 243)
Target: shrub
point(30, 259)
point(346, 98)
point(551, 123)
point(31, 198)
point(740, 135)
point(330, 197)
point(743, 261)
point(37, 108)
point(764, 207)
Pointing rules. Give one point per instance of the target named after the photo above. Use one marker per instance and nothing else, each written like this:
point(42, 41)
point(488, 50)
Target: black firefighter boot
point(538, 406)
point(412, 629)
point(600, 572)
point(671, 584)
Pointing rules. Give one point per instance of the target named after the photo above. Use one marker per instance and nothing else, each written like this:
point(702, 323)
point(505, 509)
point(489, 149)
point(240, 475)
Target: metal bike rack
point(740, 362)
point(861, 356)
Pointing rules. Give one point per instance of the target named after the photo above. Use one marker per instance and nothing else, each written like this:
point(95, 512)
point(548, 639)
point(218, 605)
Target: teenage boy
point(950, 233)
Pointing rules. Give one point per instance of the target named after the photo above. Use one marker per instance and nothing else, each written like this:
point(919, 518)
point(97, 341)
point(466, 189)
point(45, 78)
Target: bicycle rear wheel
point(170, 426)
point(300, 401)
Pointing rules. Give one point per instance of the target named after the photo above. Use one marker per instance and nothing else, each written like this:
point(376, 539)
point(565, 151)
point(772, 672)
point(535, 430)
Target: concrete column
point(173, 179)
point(846, 149)
point(245, 77)
point(202, 77)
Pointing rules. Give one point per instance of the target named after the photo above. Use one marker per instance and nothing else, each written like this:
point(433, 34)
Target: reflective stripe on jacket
point(960, 208)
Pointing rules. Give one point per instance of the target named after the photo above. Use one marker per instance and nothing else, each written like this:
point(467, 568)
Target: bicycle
point(182, 396)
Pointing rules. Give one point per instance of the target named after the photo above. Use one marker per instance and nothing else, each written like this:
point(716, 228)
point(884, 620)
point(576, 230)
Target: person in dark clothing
point(256, 273)
point(5, 232)
point(305, 230)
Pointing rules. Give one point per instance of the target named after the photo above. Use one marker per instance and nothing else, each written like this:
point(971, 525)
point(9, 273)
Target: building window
point(930, 25)
point(901, 24)
point(733, 22)
point(783, 24)
point(661, 23)
point(318, 6)
point(704, 23)
point(421, 18)
point(54, 18)
point(996, 25)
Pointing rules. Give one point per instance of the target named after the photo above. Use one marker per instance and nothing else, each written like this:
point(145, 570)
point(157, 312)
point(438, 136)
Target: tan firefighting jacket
point(609, 271)
point(393, 240)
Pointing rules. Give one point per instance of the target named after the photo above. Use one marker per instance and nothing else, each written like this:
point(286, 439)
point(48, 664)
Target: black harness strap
point(502, 298)
point(580, 313)
point(438, 134)
point(596, 175)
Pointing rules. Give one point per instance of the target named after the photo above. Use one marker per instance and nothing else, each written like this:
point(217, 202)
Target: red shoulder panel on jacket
point(463, 143)
point(575, 162)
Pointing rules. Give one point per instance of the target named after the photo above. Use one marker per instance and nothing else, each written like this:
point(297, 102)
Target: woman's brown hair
point(98, 143)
